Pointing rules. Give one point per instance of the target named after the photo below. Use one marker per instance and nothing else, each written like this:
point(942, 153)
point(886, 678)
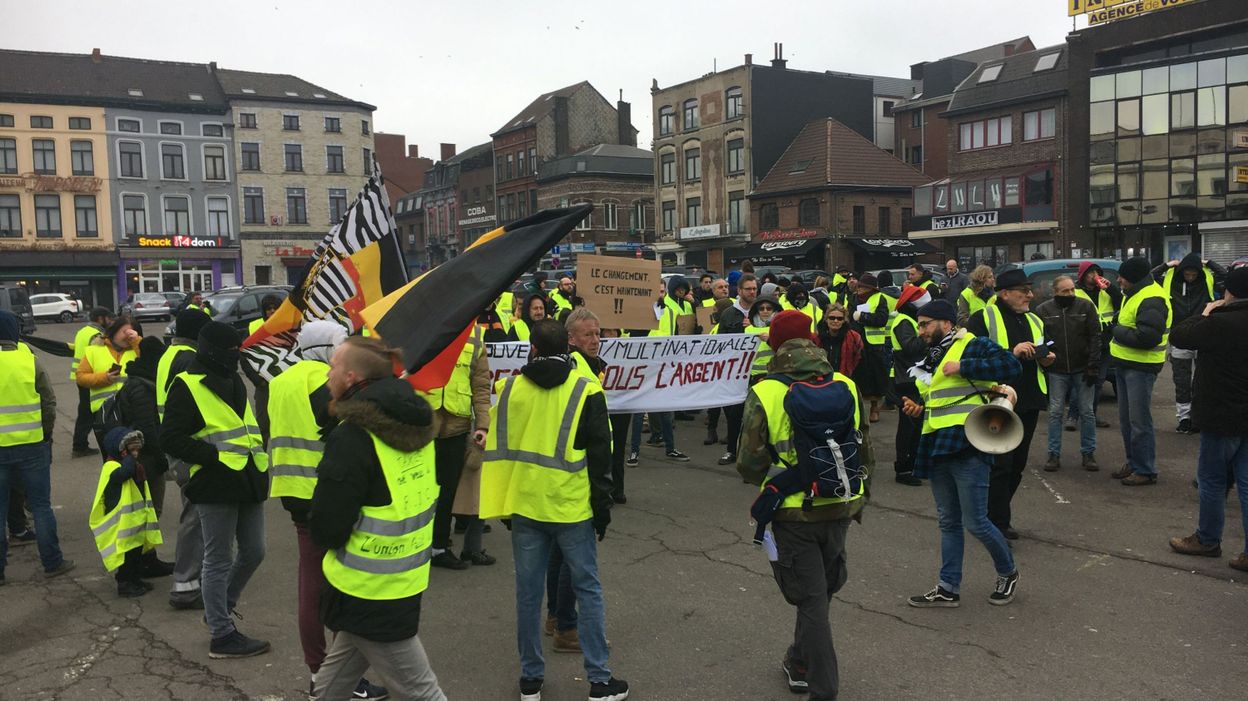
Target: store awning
point(775, 251)
point(901, 248)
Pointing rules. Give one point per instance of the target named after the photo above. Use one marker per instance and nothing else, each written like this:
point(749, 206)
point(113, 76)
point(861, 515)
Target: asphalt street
point(1105, 610)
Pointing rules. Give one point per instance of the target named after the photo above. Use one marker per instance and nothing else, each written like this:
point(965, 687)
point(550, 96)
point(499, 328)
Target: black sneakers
point(936, 598)
point(796, 676)
point(677, 456)
point(631, 461)
point(729, 458)
point(367, 691)
point(131, 590)
point(1004, 593)
point(908, 479)
point(611, 690)
point(447, 560)
point(530, 689)
point(236, 645)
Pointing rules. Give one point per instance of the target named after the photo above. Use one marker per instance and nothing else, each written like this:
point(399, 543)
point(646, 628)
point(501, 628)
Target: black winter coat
point(1189, 299)
point(137, 404)
point(1220, 390)
point(1076, 335)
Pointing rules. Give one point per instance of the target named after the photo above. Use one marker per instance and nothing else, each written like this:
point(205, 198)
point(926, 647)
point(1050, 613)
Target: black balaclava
point(218, 349)
point(1064, 301)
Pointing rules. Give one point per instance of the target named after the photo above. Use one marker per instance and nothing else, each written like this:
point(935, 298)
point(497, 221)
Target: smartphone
point(115, 368)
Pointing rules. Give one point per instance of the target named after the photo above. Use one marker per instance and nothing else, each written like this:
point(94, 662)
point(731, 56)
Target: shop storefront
point(873, 254)
point(276, 261)
point(177, 264)
point(91, 276)
point(798, 254)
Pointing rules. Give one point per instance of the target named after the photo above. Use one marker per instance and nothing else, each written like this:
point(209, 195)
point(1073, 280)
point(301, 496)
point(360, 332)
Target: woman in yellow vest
point(102, 368)
point(871, 317)
point(976, 295)
point(123, 518)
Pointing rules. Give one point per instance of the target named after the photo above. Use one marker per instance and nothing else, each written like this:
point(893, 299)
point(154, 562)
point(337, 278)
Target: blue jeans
point(30, 466)
point(1216, 454)
point(531, 542)
point(224, 576)
point(659, 421)
point(960, 486)
point(1135, 416)
point(1060, 386)
point(560, 599)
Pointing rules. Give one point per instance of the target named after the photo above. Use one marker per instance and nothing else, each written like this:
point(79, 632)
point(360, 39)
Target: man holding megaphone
point(959, 373)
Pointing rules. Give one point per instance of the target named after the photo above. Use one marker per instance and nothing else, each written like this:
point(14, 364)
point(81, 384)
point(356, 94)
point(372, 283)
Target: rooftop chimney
point(624, 123)
point(749, 59)
point(778, 61)
point(413, 151)
point(448, 151)
point(95, 56)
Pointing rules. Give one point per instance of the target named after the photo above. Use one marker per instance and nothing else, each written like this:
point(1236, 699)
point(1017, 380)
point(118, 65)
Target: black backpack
point(826, 438)
point(109, 415)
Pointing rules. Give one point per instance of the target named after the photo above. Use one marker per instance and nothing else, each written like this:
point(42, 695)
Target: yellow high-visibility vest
point(1104, 305)
point(974, 303)
point(387, 555)
point(811, 310)
point(295, 445)
point(162, 374)
point(1168, 279)
point(875, 335)
point(1126, 317)
point(101, 359)
point(997, 332)
point(82, 341)
point(763, 354)
point(21, 416)
point(130, 524)
point(893, 323)
point(236, 437)
point(946, 401)
point(455, 397)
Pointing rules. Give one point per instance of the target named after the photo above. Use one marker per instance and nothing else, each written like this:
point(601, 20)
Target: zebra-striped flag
point(357, 263)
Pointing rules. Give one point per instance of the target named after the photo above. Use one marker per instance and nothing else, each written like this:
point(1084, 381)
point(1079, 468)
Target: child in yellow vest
point(123, 519)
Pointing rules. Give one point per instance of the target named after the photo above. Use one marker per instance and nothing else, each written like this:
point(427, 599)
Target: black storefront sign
point(778, 252)
point(958, 221)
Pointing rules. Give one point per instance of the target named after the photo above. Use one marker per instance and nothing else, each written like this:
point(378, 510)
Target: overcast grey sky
point(455, 72)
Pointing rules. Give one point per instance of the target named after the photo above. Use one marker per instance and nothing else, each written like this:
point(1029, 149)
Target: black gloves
point(1090, 379)
point(602, 519)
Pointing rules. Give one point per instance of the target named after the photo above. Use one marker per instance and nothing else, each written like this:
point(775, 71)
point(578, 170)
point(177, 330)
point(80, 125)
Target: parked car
point(237, 306)
point(150, 305)
point(1042, 273)
point(778, 270)
point(55, 305)
point(13, 298)
point(899, 279)
point(808, 277)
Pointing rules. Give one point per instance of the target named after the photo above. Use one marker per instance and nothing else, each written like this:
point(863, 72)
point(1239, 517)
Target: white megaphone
point(994, 428)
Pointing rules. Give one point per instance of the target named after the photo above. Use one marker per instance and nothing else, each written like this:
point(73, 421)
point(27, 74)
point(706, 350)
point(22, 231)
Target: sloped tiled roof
point(995, 51)
point(1017, 82)
point(278, 87)
point(827, 153)
point(539, 108)
point(113, 81)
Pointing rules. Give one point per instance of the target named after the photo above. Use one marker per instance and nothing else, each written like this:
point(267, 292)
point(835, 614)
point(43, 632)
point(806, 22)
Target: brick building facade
point(401, 164)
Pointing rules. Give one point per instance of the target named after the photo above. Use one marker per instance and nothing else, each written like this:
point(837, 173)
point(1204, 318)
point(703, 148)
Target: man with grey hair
point(956, 281)
point(1073, 327)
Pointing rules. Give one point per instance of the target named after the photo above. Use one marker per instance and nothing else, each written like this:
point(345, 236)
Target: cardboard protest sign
point(621, 291)
point(686, 324)
point(704, 317)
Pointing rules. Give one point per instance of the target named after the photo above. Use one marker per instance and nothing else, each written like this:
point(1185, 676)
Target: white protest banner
point(664, 373)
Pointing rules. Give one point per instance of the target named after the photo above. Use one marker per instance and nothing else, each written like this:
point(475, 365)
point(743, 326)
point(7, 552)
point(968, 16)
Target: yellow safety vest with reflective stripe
point(974, 303)
point(205, 309)
point(130, 524)
point(255, 324)
point(770, 395)
point(892, 337)
point(235, 437)
point(997, 333)
point(532, 467)
point(946, 401)
point(455, 397)
point(101, 359)
point(21, 418)
point(763, 354)
point(387, 555)
point(671, 310)
point(1168, 279)
point(932, 288)
point(82, 341)
point(1104, 305)
point(811, 310)
point(560, 301)
point(1126, 317)
point(582, 368)
point(162, 374)
point(295, 444)
point(875, 335)
point(522, 329)
point(710, 301)
point(504, 306)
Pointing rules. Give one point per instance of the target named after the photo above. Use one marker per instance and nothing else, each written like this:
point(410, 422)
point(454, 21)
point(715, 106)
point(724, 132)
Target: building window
point(251, 156)
point(510, 163)
point(172, 165)
point(693, 211)
point(521, 164)
point(610, 219)
point(734, 105)
point(333, 125)
point(808, 212)
point(246, 120)
point(48, 216)
point(253, 205)
point(669, 216)
point(693, 164)
point(211, 130)
point(6, 120)
point(916, 155)
point(691, 115)
point(131, 153)
point(37, 122)
point(522, 205)
point(173, 128)
point(290, 122)
point(45, 156)
point(364, 127)
point(81, 158)
point(214, 163)
point(296, 206)
point(8, 156)
point(905, 220)
point(177, 216)
point(368, 163)
point(667, 120)
point(860, 219)
point(501, 209)
point(997, 131)
point(736, 212)
point(667, 169)
point(533, 200)
point(337, 205)
point(916, 119)
point(294, 157)
point(886, 221)
point(637, 218)
point(219, 217)
point(134, 215)
point(10, 216)
point(79, 122)
point(130, 125)
point(533, 162)
point(769, 216)
point(333, 160)
point(887, 106)
point(1041, 124)
point(736, 156)
point(264, 275)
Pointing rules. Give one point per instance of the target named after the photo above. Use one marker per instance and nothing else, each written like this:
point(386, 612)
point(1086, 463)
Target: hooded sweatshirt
point(350, 477)
point(137, 403)
point(1187, 298)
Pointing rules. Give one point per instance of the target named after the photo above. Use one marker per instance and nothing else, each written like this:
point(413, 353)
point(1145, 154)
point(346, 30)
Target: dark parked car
point(13, 298)
point(1042, 273)
point(899, 279)
point(237, 306)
